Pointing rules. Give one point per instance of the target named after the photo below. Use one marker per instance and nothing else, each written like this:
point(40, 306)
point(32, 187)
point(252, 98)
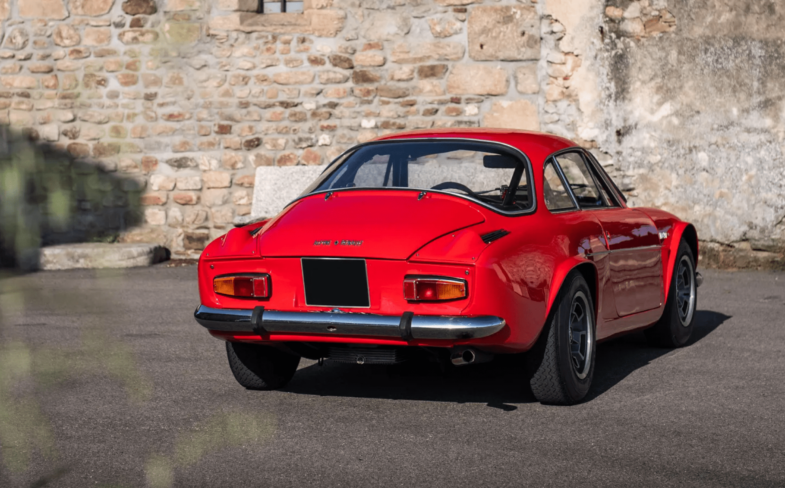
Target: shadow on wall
point(47, 196)
point(498, 384)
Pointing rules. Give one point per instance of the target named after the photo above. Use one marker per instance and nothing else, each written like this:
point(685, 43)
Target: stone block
point(277, 186)
point(369, 59)
point(97, 36)
point(294, 77)
point(286, 159)
point(43, 9)
point(182, 33)
point(364, 76)
point(215, 197)
point(526, 81)
point(238, 5)
point(477, 79)
point(422, 52)
point(431, 71)
point(195, 240)
point(241, 197)
point(444, 27)
point(179, 5)
point(139, 7)
point(182, 162)
point(246, 181)
point(153, 198)
point(138, 36)
point(155, 216)
point(186, 198)
point(519, 114)
point(92, 8)
point(66, 36)
point(100, 256)
point(216, 179)
point(189, 183)
point(332, 77)
point(341, 61)
point(386, 26)
point(504, 32)
point(25, 82)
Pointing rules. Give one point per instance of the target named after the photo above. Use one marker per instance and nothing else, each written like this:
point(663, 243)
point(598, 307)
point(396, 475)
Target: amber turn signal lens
point(243, 286)
point(433, 289)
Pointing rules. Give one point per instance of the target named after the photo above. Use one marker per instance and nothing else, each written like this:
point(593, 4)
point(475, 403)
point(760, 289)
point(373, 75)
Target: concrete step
point(94, 255)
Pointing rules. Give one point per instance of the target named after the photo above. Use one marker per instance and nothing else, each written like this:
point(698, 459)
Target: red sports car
point(456, 245)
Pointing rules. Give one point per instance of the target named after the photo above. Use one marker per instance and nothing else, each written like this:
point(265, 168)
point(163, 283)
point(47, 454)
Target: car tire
point(561, 364)
point(261, 367)
point(675, 326)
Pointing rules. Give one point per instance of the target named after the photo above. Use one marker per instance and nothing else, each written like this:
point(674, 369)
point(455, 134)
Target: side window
point(581, 180)
point(604, 178)
point(556, 196)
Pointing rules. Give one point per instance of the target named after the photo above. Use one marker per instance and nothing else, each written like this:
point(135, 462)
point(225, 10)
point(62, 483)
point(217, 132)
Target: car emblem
point(344, 242)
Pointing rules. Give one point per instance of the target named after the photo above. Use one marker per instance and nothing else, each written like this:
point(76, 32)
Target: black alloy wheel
point(561, 364)
point(675, 326)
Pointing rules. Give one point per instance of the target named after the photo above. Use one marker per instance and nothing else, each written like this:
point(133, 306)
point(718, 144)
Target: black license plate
point(335, 282)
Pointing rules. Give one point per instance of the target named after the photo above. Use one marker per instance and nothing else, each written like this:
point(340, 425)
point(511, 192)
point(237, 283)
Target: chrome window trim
point(581, 152)
point(628, 249)
point(593, 168)
point(552, 160)
point(588, 160)
point(620, 199)
point(517, 213)
point(368, 284)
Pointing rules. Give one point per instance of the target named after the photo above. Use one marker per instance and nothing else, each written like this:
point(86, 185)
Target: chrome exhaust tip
point(698, 279)
point(466, 356)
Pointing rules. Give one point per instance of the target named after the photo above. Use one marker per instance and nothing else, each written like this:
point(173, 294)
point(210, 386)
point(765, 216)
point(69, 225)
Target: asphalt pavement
point(106, 380)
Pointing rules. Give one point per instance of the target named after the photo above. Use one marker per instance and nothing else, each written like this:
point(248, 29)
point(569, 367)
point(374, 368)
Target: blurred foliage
point(48, 197)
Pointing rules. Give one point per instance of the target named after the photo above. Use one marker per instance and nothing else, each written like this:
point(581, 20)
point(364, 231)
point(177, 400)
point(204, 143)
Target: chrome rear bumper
point(408, 326)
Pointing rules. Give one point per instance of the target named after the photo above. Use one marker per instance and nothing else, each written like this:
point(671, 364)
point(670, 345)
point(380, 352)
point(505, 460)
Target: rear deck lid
point(384, 224)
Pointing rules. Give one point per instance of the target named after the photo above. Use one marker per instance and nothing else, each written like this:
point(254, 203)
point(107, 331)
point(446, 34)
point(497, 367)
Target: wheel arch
point(585, 268)
point(687, 232)
point(690, 236)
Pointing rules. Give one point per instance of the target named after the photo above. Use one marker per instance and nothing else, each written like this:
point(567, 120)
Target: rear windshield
point(485, 172)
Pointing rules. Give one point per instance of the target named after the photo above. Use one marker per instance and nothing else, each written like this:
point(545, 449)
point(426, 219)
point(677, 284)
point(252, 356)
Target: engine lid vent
point(492, 236)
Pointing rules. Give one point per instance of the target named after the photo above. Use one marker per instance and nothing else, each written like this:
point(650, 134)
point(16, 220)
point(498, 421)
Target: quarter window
point(581, 181)
point(556, 195)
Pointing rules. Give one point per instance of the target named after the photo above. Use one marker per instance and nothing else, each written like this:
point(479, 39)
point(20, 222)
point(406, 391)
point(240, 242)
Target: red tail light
point(433, 289)
point(257, 286)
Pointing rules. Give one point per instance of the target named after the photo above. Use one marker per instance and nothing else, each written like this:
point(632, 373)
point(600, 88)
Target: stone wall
point(680, 100)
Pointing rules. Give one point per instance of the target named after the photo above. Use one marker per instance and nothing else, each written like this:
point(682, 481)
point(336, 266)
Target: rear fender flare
point(681, 230)
point(561, 273)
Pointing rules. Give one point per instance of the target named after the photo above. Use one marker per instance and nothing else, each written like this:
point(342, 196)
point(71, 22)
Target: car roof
point(536, 145)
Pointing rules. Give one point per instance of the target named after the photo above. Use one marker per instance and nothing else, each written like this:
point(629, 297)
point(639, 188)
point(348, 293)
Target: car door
point(631, 237)
point(561, 203)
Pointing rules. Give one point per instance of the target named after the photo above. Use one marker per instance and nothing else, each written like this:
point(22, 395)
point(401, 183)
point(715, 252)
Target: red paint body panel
point(516, 277)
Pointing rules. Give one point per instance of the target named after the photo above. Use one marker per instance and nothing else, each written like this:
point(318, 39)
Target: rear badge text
point(338, 243)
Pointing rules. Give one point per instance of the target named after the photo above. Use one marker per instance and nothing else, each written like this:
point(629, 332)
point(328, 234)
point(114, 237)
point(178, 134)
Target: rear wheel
point(260, 367)
point(675, 326)
point(561, 364)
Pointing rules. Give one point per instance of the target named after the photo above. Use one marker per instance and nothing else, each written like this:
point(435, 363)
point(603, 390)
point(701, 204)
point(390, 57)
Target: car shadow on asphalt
point(618, 358)
point(500, 384)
